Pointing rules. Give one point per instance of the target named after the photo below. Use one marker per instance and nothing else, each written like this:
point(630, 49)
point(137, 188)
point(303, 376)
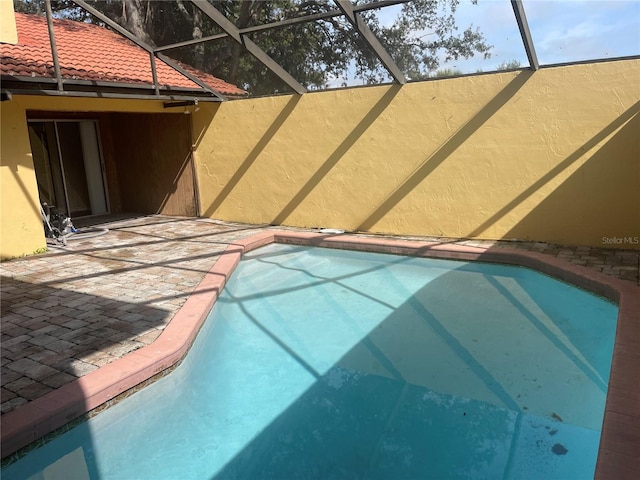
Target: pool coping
point(620, 440)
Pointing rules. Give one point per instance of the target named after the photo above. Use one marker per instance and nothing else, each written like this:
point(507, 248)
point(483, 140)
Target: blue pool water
point(329, 364)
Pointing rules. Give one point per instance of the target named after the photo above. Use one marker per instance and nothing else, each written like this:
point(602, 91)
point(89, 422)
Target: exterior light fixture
point(185, 103)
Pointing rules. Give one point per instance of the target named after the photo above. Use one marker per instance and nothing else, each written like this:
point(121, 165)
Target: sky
point(562, 30)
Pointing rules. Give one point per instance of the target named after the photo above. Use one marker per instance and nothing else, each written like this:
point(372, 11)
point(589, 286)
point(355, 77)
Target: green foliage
point(37, 251)
point(510, 65)
point(316, 54)
point(447, 72)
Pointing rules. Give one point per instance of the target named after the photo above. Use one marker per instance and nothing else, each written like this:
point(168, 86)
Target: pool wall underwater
point(620, 440)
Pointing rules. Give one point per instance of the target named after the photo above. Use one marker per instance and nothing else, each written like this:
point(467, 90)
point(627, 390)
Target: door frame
point(56, 120)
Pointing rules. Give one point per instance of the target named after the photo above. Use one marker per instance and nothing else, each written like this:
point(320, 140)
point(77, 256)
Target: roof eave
point(21, 85)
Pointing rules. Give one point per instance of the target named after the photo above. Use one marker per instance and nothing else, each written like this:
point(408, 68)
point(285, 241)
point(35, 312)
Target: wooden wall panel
point(153, 157)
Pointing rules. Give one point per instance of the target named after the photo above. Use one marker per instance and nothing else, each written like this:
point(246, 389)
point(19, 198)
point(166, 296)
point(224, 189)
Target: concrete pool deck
point(84, 323)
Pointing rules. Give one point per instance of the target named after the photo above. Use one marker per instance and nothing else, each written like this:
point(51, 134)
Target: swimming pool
point(320, 363)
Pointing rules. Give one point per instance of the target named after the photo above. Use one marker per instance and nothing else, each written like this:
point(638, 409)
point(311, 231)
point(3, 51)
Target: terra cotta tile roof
point(90, 52)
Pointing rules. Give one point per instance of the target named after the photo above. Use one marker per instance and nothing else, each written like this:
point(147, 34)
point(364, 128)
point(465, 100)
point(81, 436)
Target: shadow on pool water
point(374, 376)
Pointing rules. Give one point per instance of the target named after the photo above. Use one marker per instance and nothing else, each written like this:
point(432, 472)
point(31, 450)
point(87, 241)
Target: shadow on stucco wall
point(445, 150)
point(259, 147)
point(341, 150)
point(590, 200)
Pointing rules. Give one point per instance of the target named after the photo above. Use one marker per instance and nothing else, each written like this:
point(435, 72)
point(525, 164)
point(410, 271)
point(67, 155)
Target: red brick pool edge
point(619, 453)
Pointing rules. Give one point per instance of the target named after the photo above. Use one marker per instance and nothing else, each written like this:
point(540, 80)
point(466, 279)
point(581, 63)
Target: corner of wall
point(21, 231)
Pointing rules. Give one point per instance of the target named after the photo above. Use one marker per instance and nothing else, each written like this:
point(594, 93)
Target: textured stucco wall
point(21, 231)
point(550, 155)
point(8, 31)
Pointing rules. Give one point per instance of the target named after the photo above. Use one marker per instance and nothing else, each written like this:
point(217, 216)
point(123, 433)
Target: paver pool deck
point(79, 308)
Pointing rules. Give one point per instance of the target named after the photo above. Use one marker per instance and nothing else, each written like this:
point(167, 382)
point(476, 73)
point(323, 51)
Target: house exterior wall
point(21, 230)
point(8, 31)
point(551, 156)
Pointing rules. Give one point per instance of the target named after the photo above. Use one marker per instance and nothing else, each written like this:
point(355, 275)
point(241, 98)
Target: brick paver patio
point(77, 308)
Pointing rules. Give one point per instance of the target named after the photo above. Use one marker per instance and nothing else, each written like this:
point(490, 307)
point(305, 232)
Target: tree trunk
point(244, 18)
point(133, 17)
point(198, 55)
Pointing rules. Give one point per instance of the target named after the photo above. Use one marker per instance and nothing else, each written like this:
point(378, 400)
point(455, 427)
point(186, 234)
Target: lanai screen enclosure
point(297, 46)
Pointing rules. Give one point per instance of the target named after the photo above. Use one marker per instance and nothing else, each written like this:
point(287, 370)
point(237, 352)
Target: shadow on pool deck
point(85, 332)
point(385, 407)
point(75, 309)
point(49, 351)
point(93, 253)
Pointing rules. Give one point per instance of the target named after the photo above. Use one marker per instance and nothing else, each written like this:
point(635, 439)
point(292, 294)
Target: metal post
point(143, 45)
point(61, 161)
point(284, 23)
point(154, 73)
point(365, 32)
point(52, 41)
point(523, 25)
point(233, 31)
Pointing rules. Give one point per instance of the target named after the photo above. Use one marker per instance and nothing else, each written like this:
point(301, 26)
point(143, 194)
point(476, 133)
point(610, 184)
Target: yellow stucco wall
point(550, 156)
point(21, 231)
point(8, 31)
point(20, 222)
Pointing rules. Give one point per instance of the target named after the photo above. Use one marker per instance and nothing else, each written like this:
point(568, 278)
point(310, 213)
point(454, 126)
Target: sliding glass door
point(66, 157)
